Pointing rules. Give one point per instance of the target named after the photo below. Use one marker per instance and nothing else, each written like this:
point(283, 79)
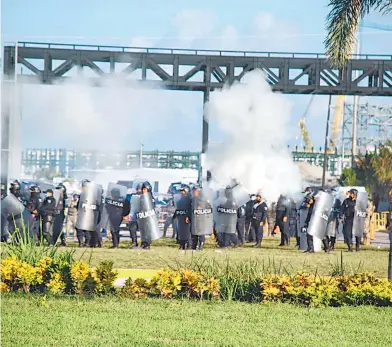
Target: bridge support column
point(205, 129)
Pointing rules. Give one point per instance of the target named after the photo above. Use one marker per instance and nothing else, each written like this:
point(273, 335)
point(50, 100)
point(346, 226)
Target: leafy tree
point(342, 25)
point(348, 178)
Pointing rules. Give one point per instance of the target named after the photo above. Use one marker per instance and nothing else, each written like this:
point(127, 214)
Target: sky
point(165, 120)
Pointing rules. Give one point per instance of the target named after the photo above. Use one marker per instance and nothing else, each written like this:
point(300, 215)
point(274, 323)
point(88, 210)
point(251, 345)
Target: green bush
point(247, 281)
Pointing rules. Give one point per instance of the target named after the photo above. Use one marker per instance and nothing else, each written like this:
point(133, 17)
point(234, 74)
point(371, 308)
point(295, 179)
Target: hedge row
point(58, 276)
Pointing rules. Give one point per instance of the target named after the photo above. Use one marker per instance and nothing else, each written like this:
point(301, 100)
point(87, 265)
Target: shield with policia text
point(360, 214)
point(89, 207)
point(113, 204)
point(147, 219)
point(320, 215)
point(202, 218)
point(225, 214)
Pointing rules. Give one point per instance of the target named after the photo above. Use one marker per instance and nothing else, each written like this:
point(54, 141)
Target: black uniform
point(183, 214)
point(241, 219)
point(309, 238)
point(47, 214)
point(293, 232)
point(259, 216)
point(249, 230)
point(32, 206)
point(348, 212)
point(90, 238)
point(59, 221)
point(126, 209)
point(282, 220)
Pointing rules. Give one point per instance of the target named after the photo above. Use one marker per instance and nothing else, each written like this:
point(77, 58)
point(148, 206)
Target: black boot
point(258, 245)
point(201, 246)
point(350, 247)
point(357, 243)
point(333, 240)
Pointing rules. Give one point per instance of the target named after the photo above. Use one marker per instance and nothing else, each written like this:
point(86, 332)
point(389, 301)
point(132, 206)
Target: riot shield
point(89, 205)
point(112, 212)
point(148, 219)
point(319, 220)
point(333, 219)
point(11, 206)
point(18, 217)
point(58, 195)
point(225, 215)
point(202, 219)
point(58, 223)
point(183, 216)
point(135, 206)
point(240, 195)
point(360, 214)
point(25, 191)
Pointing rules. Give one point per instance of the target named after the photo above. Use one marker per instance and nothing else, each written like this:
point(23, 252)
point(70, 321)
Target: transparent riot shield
point(147, 219)
point(89, 207)
point(202, 217)
point(113, 204)
point(319, 220)
point(360, 214)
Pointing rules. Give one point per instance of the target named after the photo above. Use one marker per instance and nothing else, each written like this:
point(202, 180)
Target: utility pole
point(325, 163)
point(355, 106)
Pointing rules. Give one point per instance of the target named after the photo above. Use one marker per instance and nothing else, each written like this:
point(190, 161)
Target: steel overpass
point(193, 70)
point(293, 73)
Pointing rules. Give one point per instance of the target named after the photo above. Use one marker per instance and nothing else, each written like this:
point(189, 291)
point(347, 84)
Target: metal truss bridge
point(295, 73)
point(193, 70)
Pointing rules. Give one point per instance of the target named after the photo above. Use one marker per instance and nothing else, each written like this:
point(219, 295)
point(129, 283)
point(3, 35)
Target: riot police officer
point(60, 215)
point(33, 205)
point(118, 210)
point(249, 231)
point(146, 244)
point(199, 203)
point(259, 216)
point(310, 200)
point(182, 215)
point(347, 214)
point(133, 223)
point(15, 190)
point(47, 215)
point(281, 220)
point(241, 219)
point(84, 236)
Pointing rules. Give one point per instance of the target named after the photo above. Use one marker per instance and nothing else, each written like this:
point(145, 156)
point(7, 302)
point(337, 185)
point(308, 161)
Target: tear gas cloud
point(115, 116)
point(254, 120)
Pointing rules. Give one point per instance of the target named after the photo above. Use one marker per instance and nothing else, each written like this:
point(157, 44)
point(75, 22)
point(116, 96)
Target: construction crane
point(302, 125)
point(341, 99)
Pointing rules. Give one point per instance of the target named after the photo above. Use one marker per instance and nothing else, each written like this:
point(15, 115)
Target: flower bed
point(62, 276)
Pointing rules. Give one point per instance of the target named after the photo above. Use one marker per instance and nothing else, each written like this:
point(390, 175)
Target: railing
point(378, 223)
point(192, 51)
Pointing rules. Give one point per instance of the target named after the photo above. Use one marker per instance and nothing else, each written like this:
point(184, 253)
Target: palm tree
point(342, 24)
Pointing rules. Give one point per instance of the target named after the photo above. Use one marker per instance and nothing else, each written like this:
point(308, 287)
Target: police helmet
point(147, 185)
point(185, 188)
point(35, 189)
point(15, 184)
point(115, 193)
point(353, 191)
point(62, 186)
point(85, 182)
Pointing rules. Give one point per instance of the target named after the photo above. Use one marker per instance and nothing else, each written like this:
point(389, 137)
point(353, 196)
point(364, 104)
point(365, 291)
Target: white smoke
point(113, 117)
point(254, 151)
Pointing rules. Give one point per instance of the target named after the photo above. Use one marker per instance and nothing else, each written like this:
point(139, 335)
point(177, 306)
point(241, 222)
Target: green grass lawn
point(165, 253)
point(34, 322)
